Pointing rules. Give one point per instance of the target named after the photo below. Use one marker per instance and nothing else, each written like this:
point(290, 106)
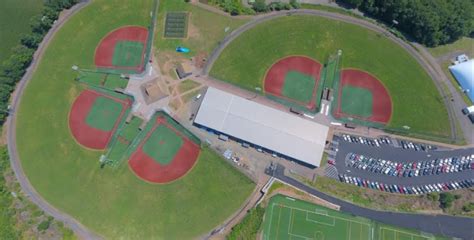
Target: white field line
point(398, 231)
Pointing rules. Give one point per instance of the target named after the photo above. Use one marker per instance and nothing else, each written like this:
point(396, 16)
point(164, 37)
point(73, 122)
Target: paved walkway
point(80, 230)
point(460, 227)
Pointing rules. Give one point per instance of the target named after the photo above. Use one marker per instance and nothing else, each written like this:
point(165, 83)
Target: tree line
point(13, 68)
point(430, 22)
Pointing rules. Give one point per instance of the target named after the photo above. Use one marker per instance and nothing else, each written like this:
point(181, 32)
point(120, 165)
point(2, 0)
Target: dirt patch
point(193, 31)
point(200, 60)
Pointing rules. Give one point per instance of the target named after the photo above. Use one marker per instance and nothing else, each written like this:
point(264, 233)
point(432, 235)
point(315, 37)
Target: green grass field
point(127, 54)
point(120, 148)
point(104, 113)
point(111, 201)
point(298, 86)
point(15, 21)
point(108, 81)
point(356, 101)
point(463, 45)
point(163, 144)
point(288, 218)
point(245, 61)
point(204, 28)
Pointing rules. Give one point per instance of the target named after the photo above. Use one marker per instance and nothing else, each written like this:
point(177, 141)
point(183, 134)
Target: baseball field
point(415, 100)
point(289, 218)
point(112, 202)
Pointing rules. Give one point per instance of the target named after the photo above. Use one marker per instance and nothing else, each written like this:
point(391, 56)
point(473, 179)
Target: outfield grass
point(245, 61)
point(15, 21)
point(112, 202)
point(205, 28)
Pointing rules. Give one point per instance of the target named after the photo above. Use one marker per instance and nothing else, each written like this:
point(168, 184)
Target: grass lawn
point(245, 61)
point(15, 21)
point(187, 85)
point(205, 30)
point(112, 202)
point(464, 45)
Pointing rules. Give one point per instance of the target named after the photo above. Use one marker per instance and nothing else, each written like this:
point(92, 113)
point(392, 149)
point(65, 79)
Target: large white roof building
point(260, 125)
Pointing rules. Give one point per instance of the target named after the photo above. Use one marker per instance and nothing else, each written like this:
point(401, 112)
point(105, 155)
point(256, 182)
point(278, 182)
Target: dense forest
point(13, 68)
point(430, 22)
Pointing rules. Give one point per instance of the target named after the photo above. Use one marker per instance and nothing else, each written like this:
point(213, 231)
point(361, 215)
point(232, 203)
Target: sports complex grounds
point(111, 135)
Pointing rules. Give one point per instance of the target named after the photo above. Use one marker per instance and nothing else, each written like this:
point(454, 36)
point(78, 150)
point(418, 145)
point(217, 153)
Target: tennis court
point(176, 25)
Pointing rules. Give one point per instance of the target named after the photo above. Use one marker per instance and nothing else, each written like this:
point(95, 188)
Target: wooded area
point(13, 68)
point(430, 22)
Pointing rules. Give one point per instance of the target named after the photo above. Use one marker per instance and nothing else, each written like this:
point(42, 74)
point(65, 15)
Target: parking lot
point(392, 164)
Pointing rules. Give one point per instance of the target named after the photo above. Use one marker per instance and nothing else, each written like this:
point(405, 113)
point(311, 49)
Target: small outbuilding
point(184, 69)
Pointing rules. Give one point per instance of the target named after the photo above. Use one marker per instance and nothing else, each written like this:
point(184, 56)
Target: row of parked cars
point(416, 146)
point(395, 188)
point(410, 169)
point(374, 142)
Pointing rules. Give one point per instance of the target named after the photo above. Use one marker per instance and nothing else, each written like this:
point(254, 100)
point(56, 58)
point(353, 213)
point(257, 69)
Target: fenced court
point(96, 115)
point(110, 81)
point(287, 218)
point(176, 25)
point(294, 81)
point(165, 151)
point(121, 146)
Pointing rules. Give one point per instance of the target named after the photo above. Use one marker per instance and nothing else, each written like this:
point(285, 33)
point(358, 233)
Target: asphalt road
point(437, 76)
point(81, 231)
point(399, 155)
point(460, 227)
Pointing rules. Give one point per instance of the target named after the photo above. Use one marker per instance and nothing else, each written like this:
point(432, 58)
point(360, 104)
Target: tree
point(31, 40)
point(353, 3)
point(260, 6)
point(446, 200)
point(295, 4)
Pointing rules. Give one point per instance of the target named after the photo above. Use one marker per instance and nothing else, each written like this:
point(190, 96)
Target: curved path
point(460, 227)
point(437, 78)
point(81, 231)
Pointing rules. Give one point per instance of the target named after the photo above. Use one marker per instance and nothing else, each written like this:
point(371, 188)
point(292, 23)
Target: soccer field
point(288, 218)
